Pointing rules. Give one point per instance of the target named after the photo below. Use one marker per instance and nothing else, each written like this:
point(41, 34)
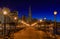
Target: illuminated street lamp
point(55, 13)
point(4, 32)
point(45, 18)
point(15, 18)
point(41, 20)
point(5, 12)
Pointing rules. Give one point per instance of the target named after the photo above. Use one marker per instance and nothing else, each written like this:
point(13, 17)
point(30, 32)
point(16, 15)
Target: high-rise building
point(30, 15)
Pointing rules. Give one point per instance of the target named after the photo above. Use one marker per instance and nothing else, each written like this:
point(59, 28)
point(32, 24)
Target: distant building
point(23, 17)
point(30, 14)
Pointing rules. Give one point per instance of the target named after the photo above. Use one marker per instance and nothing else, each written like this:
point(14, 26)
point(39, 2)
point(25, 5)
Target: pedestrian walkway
point(29, 33)
point(58, 36)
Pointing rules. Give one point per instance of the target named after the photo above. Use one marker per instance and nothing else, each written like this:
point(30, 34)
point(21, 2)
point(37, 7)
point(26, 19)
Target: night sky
point(39, 8)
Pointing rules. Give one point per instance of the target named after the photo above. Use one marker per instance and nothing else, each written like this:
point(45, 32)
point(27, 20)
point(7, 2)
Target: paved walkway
point(58, 36)
point(30, 33)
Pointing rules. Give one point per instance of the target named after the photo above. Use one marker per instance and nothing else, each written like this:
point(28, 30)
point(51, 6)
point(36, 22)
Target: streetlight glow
point(15, 18)
point(41, 20)
point(5, 12)
point(45, 18)
point(55, 12)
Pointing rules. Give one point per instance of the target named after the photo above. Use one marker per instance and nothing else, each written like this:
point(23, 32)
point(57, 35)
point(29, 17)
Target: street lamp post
point(55, 13)
point(40, 22)
point(4, 31)
point(15, 18)
point(45, 23)
point(12, 35)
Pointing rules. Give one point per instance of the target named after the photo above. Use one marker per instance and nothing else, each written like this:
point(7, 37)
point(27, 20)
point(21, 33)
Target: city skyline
point(39, 8)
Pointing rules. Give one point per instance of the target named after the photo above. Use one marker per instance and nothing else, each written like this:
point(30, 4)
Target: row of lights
point(55, 13)
point(5, 13)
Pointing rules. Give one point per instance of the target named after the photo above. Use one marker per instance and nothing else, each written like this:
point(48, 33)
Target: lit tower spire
point(30, 15)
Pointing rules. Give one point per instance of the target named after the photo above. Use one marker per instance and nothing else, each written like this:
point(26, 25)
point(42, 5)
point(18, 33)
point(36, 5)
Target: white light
point(15, 18)
point(55, 12)
point(5, 12)
point(41, 20)
point(45, 18)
